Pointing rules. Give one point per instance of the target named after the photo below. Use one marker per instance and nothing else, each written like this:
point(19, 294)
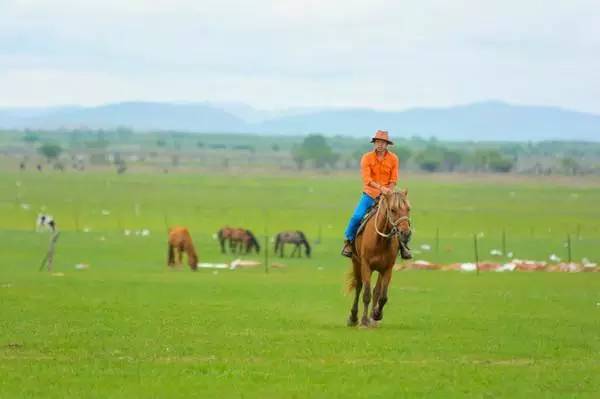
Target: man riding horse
point(379, 170)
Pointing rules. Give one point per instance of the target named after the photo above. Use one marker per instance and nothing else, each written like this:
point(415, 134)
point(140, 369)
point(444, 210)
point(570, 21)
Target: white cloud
point(390, 54)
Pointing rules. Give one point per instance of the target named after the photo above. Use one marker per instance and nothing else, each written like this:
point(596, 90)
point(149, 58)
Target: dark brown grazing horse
point(292, 237)
point(239, 239)
point(376, 249)
point(180, 241)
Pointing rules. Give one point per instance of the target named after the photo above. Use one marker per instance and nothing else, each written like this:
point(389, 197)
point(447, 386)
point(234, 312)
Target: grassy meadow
point(128, 327)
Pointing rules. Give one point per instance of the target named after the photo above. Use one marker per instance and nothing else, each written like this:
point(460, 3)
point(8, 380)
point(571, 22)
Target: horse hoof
point(352, 323)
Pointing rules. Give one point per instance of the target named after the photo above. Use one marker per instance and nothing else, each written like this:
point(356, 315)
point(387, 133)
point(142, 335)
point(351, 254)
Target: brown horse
point(238, 239)
point(181, 241)
point(376, 249)
point(292, 237)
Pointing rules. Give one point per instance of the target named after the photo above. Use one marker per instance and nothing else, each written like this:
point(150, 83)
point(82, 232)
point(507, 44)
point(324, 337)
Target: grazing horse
point(292, 237)
point(181, 241)
point(376, 249)
point(238, 239)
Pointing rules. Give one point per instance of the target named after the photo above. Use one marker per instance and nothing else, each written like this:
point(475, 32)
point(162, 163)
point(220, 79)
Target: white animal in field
point(45, 222)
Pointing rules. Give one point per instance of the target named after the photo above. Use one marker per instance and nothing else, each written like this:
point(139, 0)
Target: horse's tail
point(253, 241)
point(351, 280)
point(221, 238)
point(305, 242)
point(170, 255)
point(277, 242)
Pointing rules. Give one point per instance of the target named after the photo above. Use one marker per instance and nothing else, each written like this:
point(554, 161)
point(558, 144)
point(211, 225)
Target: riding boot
point(405, 251)
point(347, 250)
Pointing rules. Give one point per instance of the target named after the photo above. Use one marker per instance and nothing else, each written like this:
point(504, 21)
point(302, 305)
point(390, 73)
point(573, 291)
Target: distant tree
point(31, 137)
point(501, 164)
point(570, 166)
point(275, 147)
point(314, 148)
point(199, 144)
point(452, 159)
point(430, 159)
point(50, 151)
point(491, 160)
point(403, 153)
point(161, 143)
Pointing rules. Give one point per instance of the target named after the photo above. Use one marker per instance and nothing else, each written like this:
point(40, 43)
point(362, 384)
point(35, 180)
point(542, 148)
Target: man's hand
point(385, 190)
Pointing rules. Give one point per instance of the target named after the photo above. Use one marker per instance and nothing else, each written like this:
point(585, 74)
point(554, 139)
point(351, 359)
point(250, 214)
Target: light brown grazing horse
point(180, 241)
point(376, 249)
point(239, 239)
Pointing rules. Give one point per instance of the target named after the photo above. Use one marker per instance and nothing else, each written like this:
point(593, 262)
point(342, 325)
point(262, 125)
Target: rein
point(394, 224)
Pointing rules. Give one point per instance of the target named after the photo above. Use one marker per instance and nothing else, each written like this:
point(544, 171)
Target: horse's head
point(398, 211)
point(193, 260)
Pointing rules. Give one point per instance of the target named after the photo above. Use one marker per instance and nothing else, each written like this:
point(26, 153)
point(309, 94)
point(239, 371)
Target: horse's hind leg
point(353, 318)
point(366, 281)
point(383, 298)
point(179, 255)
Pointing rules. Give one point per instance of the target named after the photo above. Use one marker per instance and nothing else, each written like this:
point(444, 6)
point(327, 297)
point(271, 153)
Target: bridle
point(395, 230)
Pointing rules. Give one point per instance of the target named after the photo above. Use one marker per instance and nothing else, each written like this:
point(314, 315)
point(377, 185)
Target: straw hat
point(382, 135)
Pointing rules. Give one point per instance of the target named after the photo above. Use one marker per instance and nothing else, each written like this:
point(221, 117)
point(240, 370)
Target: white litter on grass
point(25, 206)
point(82, 266)
point(127, 232)
point(214, 236)
point(554, 258)
point(243, 263)
point(205, 265)
point(105, 212)
point(426, 247)
point(510, 254)
point(319, 268)
point(507, 267)
point(421, 262)
point(468, 267)
point(7, 285)
point(481, 234)
point(215, 272)
point(86, 229)
point(102, 238)
point(496, 252)
point(145, 233)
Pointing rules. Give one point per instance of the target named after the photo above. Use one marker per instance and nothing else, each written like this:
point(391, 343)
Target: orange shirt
point(384, 171)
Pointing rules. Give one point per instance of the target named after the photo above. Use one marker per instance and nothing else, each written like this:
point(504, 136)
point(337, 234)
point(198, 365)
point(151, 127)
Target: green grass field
point(128, 327)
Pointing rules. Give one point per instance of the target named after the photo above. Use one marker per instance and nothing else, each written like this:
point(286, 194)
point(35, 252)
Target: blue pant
point(364, 204)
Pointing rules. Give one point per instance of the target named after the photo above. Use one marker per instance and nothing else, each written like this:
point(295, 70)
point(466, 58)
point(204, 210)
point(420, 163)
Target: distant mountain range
point(483, 121)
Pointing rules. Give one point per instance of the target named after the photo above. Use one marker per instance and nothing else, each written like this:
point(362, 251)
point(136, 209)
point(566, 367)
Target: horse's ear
point(404, 192)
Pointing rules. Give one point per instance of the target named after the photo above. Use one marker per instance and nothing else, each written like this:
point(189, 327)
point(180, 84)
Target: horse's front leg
point(376, 296)
point(383, 298)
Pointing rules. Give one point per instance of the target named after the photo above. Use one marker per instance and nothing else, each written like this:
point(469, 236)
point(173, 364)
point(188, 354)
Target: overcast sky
point(286, 53)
